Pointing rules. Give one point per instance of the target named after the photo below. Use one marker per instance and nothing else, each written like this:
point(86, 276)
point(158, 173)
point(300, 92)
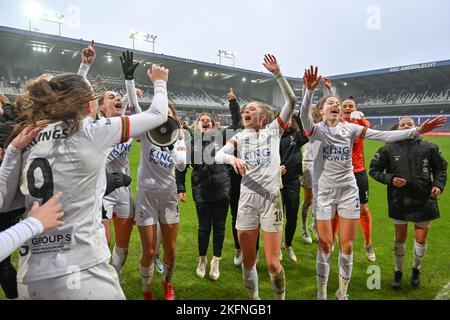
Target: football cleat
point(397, 280)
point(415, 277)
point(169, 293)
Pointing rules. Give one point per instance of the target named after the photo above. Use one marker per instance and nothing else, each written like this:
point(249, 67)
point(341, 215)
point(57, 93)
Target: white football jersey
point(75, 165)
point(310, 150)
point(333, 165)
point(261, 151)
point(119, 158)
point(156, 165)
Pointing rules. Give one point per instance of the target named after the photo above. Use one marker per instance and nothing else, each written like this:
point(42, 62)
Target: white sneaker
point(238, 257)
point(340, 296)
point(370, 254)
point(201, 268)
point(306, 236)
point(290, 252)
point(214, 272)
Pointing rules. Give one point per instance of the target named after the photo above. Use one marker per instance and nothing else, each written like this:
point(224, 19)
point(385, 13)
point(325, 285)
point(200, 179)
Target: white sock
point(119, 257)
point(399, 253)
point(278, 284)
point(168, 272)
point(251, 281)
point(419, 253)
point(323, 271)
point(146, 277)
point(345, 271)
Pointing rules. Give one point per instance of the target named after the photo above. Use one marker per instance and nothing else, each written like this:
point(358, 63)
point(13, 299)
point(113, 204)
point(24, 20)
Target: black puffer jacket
point(210, 181)
point(415, 161)
point(290, 152)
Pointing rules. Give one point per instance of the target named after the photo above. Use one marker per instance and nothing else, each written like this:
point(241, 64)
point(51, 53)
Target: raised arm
point(328, 89)
point(87, 59)
point(311, 81)
point(128, 68)
point(271, 64)
point(236, 120)
point(398, 135)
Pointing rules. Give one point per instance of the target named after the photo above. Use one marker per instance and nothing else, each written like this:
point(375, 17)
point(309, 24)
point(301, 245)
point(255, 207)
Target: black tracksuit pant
point(291, 204)
point(211, 215)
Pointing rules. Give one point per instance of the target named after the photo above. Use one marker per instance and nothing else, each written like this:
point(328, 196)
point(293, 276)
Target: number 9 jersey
point(74, 165)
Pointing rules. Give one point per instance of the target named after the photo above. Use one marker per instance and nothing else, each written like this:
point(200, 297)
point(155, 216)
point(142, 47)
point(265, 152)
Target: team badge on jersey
point(344, 132)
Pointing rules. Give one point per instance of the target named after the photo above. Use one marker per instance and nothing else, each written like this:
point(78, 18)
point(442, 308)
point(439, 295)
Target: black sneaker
point(397, 280)
point(415, 277)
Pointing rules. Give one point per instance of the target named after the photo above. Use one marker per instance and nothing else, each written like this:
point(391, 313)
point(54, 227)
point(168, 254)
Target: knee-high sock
point(168, 272)
point(119, 257)
point(365, 221)
point(335, 226)
point(251, 281)
point(323, 271)
point(278, 284)
point(399, 253)
point(305, 210)
point(345, 271)
point(419, 253)
point(146, 277)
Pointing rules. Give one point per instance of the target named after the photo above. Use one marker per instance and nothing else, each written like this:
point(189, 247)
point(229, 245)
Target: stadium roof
point(15, 42)
point(435, 72)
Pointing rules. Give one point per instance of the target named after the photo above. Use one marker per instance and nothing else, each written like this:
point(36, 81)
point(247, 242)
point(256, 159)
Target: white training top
point(261, 150)
point(75, 165)
point(333, 163)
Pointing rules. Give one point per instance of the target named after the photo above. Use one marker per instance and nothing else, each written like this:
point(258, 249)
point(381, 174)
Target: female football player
point(260, 202)
point(70, 155)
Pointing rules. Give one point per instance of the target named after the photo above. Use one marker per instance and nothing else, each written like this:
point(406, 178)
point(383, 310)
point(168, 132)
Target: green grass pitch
point(300, 276)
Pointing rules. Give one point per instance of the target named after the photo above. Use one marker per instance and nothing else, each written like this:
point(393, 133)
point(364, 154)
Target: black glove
point(116, 180)
point(128, 66)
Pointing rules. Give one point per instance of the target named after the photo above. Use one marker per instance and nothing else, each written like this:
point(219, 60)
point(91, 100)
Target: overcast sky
point(341, 36)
